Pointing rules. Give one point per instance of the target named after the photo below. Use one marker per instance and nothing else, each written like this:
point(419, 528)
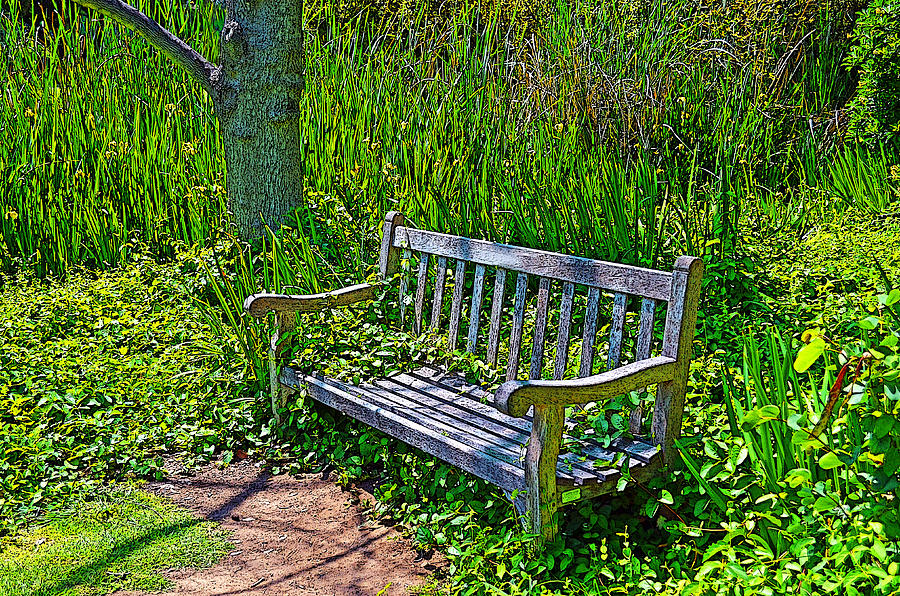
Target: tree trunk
point(257, 102)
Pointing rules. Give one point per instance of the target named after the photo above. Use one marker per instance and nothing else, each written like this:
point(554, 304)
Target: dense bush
point(875, 110)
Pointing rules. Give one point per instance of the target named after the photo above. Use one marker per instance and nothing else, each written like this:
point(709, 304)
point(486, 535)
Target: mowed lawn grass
point(123, 538)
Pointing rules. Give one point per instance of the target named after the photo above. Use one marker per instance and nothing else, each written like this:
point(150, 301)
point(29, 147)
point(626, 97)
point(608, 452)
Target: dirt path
point(292, 536)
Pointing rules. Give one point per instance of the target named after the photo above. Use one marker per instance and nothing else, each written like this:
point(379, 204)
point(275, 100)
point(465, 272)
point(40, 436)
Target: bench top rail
point(613, 277)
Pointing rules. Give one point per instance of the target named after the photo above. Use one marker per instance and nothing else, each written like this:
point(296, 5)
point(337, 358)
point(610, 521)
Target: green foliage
point(875, 110)
point(101, 375)
point(118, 539)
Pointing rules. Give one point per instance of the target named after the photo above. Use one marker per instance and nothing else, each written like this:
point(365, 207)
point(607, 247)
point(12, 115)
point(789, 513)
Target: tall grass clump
point(619, 129)
point(103, 143)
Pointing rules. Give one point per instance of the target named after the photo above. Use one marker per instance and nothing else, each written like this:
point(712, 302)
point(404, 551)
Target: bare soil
point(293, 535)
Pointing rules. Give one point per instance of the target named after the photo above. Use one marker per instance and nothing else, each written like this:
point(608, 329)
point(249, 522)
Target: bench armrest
point(260, 304)
point(515, 397)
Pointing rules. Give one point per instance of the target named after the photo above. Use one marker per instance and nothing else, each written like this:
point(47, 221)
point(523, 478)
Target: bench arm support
point(259, 305)
point(516, 397)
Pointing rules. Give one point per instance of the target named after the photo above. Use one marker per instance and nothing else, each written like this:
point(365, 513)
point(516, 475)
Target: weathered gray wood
point(645, 332)
point(496, 311)
point(678, 338)
point(440, 281)
point(515, 397)
point(515, 336)
point(616, 331)
point(590, 464)
point(590, 333)
point(421, 280)
point(404, 283)
point(475, 308)
point(541, 459)
point(642, 475)
point(260, 304)
point(390, 255)
point(453, 419)
point(453, 389)
point(642, 352)
point(608, 276)
point(540, 329)
point(562, 336)
point(462, 401)
point(443, 415)
point(457, 419)
point(459, 285)
point(338, 396)
point(449, 421)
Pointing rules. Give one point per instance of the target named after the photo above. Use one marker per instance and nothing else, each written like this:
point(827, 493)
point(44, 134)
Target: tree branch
point(198, 67)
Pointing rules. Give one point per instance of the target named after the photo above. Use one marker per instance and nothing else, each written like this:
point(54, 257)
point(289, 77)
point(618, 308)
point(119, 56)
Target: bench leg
point(541, 459)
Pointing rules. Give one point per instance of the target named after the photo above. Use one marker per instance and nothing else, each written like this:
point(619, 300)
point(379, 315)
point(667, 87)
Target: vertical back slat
point(459, 285)
point(590, 333)
point(404, 283)
point(440, 280)
point(645, 334)
point(515, 336)
point(642, 352)
point(475, 309)
point(616, 331)
point(496, 310)
point(540, 329)
point(420, 290)
point(562, 337)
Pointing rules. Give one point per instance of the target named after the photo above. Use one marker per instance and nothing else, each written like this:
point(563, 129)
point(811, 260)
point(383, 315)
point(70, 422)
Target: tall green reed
point(611, 129)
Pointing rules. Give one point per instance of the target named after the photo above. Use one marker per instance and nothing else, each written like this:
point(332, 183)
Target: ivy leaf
point(824, 504)
point(829, 461)
point(754, 418)
point(808, 354)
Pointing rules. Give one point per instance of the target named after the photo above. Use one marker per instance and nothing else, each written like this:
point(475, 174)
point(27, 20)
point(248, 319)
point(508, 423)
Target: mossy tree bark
point(256, 93)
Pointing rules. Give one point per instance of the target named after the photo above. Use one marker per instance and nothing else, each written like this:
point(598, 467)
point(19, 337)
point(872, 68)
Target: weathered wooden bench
point(513, 438)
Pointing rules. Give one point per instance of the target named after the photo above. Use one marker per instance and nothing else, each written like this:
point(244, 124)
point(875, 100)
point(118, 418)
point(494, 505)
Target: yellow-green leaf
point(809, 354)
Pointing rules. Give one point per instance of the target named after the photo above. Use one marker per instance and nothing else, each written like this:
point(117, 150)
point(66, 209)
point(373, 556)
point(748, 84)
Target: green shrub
point(875, 111)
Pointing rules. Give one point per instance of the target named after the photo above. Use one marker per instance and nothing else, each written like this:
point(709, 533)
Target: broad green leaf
point(829, 461)
point(869, 323)
point(824, 504)
point(878, 550)
point(883, 425)
point(754, 418)
point(808, 354)
point(891, 462)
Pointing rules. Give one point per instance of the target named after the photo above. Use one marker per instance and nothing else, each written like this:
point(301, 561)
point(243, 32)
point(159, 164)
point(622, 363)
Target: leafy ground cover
point(102, 374)
point(644, 130)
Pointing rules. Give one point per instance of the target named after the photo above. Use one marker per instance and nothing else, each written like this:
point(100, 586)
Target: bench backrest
point(592, 285)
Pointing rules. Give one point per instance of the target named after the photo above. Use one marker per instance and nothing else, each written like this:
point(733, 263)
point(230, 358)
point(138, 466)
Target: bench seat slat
point(638, 450)
point(613, 277)
point(434, 411)
point(463, 455)
point(516, 429)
